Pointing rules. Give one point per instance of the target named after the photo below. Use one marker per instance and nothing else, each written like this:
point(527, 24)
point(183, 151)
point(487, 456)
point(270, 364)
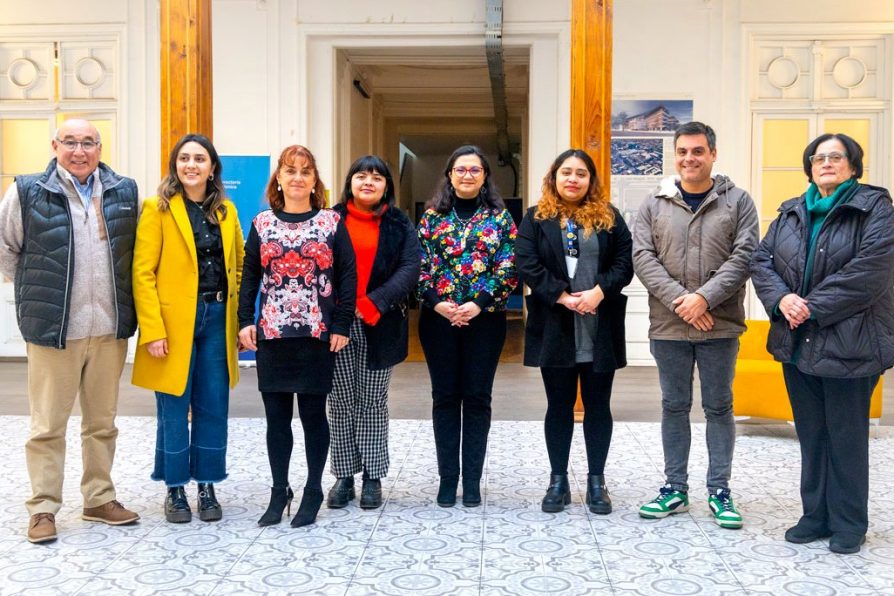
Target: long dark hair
point(213, 205)
point(290, 156)
point(444, 198)
point(375, 165)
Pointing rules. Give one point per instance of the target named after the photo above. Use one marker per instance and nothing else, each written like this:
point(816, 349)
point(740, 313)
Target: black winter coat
point(549, 330)
point(850, 293)
point(395, 272)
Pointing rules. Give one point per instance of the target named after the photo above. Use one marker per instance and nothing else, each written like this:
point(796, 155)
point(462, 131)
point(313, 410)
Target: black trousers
point(561, 394)
point(278, 408)
point(462, 362)
point(832, 421)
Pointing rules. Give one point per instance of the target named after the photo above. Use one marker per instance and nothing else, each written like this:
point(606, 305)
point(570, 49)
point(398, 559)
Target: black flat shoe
point(177, 509)
point(209, 508)
point(846, 543)
point(371, 494)
point(341, 493)
point(598, 499)
point(558, 494)
point(280, 498)
point(802, 534)
point(447, 491)
point(471, 493)
point(309, 507)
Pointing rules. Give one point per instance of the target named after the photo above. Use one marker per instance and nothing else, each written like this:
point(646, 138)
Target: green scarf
point(818, 208)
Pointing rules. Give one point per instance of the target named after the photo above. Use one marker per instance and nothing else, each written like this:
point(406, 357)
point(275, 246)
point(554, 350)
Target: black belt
point(218, 296)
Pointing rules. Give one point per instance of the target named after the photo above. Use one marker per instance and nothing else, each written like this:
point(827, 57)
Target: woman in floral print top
point(468, 272)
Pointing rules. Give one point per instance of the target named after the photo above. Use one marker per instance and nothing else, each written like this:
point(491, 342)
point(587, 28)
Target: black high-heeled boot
point(309, 507)
point(209, 508)
point(471, 492)
point(280, 498)
point(447, 491)
point(177, 509)
point(557, 495)
point(597, 495)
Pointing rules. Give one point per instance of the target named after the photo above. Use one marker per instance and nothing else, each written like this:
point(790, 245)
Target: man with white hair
point(66, 239)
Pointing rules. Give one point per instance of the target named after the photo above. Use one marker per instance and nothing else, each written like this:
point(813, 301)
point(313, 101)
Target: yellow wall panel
point(780, 186)
point(26, 146)
point(784, 142)
point(857, 129)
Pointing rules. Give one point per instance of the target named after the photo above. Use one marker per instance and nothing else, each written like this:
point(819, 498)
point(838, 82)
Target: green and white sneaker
point(724, 510)
point(667, 502)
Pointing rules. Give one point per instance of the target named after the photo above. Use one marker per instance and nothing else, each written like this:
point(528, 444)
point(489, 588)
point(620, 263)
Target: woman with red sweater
point(387, 256)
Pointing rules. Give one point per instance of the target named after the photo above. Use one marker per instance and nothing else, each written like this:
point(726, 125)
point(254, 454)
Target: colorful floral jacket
point(462, 261)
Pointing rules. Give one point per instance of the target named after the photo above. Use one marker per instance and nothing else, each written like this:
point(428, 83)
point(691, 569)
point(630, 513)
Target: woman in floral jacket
point(468, 272)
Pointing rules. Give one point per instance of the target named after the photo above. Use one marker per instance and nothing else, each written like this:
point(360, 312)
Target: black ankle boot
point(597, 495)
point(371, 493)
point(209, 508)
point(280, 498)
point(309, 507)
point(177, 509)
point(447, 491)
point(471, 492)
point(557, 495)
point(341, 493)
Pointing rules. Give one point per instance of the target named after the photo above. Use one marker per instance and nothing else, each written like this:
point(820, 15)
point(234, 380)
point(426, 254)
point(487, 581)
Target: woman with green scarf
point(825, 274)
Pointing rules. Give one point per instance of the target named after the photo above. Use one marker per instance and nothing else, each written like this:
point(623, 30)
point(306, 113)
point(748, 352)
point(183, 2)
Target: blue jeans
point(201, 455)
point(716, 359)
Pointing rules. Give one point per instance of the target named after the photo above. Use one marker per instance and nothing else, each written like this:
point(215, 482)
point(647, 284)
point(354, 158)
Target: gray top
point(585, 279)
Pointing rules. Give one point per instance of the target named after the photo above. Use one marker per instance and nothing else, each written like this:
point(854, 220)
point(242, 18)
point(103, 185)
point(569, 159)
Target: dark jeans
point(462, 362)
point(832, 421)
point(561, 394)
point(278, 408)
point(716, 359)
point(199, 453)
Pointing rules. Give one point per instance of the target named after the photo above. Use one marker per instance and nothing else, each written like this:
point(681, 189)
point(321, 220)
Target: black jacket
point(850, 292)
point(395, 272)
point(44, 274)
point(549, 331)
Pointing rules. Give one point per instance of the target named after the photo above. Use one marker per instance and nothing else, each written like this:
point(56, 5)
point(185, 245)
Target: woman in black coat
point(388, 256)
point(574, 253)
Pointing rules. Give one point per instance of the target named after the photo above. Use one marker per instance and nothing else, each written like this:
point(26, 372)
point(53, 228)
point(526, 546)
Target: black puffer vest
point(44, 274)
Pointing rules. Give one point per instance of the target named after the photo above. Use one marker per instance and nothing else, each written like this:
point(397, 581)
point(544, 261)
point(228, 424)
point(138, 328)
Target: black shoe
point(177, 509)
point(280, 498)
point(471, 492)
point(447, 491)
point(371, 494)
point(309, 507)
point(801, 533)
point(598, 498)
point(341, 493)
point(209, 508)
point(558, 494)
point(846, 543)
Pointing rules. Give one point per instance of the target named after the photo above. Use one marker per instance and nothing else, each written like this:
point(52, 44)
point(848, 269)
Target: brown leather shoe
point(112, 513)
point(42, 528)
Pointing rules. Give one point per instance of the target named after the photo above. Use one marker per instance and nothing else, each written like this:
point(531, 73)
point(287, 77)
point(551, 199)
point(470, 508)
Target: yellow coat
point(166, 286)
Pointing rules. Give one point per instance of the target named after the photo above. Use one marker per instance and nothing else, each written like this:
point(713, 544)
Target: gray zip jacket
point(676, 251)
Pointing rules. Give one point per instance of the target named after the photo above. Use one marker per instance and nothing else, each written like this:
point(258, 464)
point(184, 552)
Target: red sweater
point(363, 228)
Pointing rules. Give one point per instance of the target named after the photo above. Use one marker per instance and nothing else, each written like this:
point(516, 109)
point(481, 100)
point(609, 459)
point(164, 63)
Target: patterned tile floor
point(411, 546)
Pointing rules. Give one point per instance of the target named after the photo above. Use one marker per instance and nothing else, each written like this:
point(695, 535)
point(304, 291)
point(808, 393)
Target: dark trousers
point(278, 408)
point(561, 394)
point(462, 362)
point(832, 421)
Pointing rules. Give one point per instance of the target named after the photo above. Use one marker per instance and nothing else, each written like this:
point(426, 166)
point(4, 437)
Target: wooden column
point(186, 90)
point(591, 90)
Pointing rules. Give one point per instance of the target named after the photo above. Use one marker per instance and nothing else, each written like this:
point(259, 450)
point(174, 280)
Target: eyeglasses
point(72, 145)
point(821, 158)
point(475, 171)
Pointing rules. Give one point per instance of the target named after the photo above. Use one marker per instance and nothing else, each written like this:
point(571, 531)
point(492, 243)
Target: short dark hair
point(697, 128)
point(443, 199)
point(851, 147)
point(370, 163)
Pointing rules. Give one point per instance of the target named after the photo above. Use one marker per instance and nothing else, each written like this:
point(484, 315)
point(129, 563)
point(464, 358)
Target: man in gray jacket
point(66, 239)
point(692, 241)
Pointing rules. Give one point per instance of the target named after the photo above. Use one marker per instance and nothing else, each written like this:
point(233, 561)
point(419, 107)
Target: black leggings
point(561, 393)
point(312, 411)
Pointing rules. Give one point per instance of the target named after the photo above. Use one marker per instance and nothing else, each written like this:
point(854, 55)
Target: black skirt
point(295, 365)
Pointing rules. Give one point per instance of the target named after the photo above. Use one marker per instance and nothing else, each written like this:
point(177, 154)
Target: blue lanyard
point(571, 238)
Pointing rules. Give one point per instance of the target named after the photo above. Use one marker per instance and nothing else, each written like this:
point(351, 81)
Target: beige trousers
point(91, 368)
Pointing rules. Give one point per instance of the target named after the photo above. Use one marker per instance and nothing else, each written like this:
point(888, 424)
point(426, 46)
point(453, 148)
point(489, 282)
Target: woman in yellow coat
point(186, 272)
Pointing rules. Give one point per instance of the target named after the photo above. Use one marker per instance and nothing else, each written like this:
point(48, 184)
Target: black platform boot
point(597, 495)
point(371, 493)
point(557, 495)
point(209, 508)
point(280, 498)
point(309, 507)
point(177, 509)
point(341, 493)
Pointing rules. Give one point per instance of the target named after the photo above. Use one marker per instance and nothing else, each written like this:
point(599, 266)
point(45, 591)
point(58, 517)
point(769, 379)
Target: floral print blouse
point(465, 259)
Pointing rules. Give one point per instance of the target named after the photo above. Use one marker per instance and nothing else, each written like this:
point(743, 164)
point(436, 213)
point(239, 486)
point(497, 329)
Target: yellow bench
point(759, 388)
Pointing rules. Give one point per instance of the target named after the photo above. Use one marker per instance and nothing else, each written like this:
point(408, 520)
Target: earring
point(278, 187)
point(210, 176)
point(313, 190)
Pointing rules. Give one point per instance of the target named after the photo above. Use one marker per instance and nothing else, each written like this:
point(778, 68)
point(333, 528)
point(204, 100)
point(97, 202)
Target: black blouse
point(209, 249)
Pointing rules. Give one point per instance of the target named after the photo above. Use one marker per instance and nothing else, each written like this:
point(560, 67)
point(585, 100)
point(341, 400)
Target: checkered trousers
point(358, 412)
